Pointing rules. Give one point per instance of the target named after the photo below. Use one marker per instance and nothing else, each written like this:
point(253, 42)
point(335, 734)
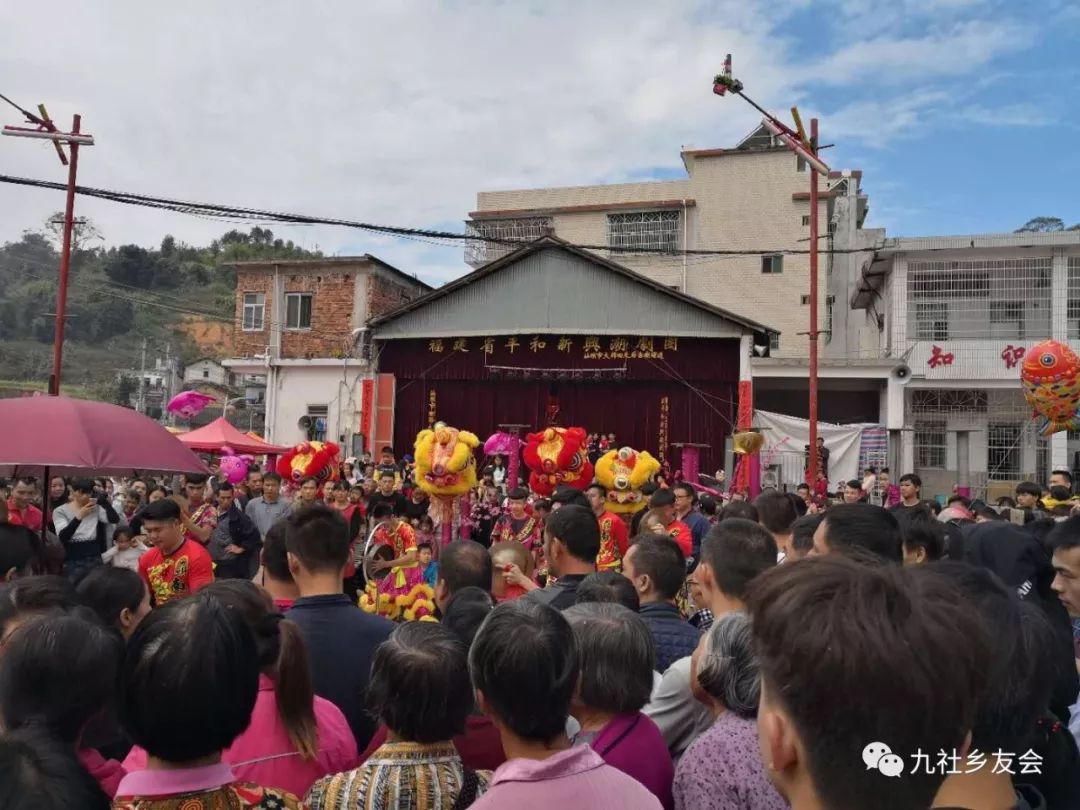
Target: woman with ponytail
point(294, 737)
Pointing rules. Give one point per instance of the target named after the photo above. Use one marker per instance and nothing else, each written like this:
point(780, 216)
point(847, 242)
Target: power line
point(249, 214)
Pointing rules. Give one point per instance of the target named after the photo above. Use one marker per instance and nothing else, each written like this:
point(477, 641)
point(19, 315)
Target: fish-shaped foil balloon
point(1051, 379)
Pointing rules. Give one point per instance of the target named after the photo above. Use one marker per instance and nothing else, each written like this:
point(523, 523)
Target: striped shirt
point(398, 776)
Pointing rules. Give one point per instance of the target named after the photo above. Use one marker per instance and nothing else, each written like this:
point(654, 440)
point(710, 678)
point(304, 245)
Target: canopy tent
point(68, 436)
point(220, 433)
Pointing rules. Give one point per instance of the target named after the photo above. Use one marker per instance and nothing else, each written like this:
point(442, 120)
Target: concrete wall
point(214, 373)
point(297, 387)
point(741, 200)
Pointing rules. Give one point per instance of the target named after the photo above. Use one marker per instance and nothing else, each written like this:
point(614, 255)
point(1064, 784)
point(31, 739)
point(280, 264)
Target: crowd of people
point(196, 645)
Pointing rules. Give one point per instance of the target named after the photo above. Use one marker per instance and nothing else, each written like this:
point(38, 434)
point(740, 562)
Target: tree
point(83, 231)
point(1042, 225)
point(131, 265)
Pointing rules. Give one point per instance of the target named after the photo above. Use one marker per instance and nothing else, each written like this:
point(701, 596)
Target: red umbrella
point(220, 433)
point(73, 436)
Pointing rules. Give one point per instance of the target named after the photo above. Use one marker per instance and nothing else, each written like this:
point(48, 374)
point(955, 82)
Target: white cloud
point(387, 112)
point(1007, 115)
point(962, 49)
point(400, 112)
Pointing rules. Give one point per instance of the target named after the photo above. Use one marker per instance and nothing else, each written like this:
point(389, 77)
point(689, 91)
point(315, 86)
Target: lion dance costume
point(557, 456)
point(402, 594)
point(445, 469)
point(623, 473)
point(316, 460)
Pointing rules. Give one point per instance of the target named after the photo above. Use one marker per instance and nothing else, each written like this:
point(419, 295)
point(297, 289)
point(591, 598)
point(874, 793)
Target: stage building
point(553, 335)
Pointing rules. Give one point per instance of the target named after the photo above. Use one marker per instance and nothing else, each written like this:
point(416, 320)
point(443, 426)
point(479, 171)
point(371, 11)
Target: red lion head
point(309, 460)
point(557, 456)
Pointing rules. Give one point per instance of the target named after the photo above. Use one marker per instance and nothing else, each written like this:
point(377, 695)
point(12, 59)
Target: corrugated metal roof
point(549, 286)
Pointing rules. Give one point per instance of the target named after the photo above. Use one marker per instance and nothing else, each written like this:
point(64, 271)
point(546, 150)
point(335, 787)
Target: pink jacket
point(107, 772)
point(576, 777)
point(264, 755)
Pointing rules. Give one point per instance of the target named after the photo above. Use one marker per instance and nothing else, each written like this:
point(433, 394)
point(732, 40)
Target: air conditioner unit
point(304, 423)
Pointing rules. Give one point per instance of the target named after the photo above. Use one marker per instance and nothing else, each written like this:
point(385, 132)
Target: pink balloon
point(188, 403)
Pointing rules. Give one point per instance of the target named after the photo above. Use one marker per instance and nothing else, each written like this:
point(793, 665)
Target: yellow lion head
point(445, 464)
point(623, 473)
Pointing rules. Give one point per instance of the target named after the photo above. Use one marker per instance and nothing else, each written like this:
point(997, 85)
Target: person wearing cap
point(516, 523)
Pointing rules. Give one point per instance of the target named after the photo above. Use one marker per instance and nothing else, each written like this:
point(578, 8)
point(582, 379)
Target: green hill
point(117, 297)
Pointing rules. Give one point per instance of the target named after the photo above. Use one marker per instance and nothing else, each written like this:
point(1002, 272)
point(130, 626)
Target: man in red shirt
point(662, 503)
point(614, 536)
point(176, 566)
point(21, 510)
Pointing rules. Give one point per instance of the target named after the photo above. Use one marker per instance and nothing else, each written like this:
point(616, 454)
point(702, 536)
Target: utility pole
point(45, 129)
point(806, 148)
point(167, 393)
point(142, 380)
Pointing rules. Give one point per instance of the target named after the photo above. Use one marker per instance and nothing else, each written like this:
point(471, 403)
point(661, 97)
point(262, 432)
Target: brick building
point(301, 323)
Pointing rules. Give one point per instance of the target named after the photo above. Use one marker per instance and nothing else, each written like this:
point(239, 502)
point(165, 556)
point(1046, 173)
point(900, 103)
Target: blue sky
point(961, 113)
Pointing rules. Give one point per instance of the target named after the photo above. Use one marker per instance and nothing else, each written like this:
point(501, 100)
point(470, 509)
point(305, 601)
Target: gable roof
point(550, 242)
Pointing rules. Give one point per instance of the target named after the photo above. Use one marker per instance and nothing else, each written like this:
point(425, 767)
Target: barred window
point(1074, 298)
point(981, 298)
point(516, 232)
point(1003, 452)
point(945, 400)
point(930, 445)
point(644, 230)
point(931, 320)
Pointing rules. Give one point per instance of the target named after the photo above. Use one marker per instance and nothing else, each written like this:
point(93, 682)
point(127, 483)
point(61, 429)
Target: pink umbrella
point(72, 436)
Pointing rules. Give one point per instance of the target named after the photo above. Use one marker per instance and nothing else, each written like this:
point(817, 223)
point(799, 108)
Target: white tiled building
point(961, 311)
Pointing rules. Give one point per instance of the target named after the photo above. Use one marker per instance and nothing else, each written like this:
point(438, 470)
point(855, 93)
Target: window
point(1007, 319)
point(298, 310)
point(829, 301)
point(774, 342)
point(805, 220)
point(1074, 298)
point(800, 165)
point(772, 264)
point(516, 232)
point(1003, 452)
point(254, 307)
point(804, 300)
point(644, 230)
point(931, 320)
point(206, 373)
point(317, 430)
point(930, 445)
point(984, 298)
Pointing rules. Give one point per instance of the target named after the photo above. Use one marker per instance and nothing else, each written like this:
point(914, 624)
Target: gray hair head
point(728, 671)
point(615, 648)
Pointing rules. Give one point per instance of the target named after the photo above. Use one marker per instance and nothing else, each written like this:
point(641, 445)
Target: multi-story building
point(301, 324)
point(752, 197)
point(960, 314)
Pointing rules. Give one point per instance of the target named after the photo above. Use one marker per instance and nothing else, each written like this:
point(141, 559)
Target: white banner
point(786, 438)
